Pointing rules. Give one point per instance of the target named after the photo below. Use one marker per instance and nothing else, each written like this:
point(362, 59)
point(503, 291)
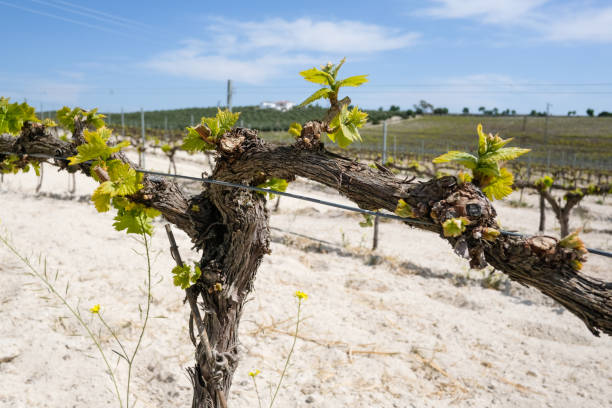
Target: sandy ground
point(407, 326)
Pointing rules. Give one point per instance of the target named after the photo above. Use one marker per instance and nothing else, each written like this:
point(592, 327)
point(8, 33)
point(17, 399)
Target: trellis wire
point(298, 197)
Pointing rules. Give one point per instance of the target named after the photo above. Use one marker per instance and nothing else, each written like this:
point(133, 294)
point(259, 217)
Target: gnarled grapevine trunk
point(233, 246)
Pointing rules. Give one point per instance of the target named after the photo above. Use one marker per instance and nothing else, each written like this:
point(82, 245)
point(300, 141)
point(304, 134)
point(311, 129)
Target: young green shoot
point(206, 135)
point(488, 171)
point(343, 122)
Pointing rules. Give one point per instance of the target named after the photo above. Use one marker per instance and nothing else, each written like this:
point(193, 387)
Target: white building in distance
point(282, 106)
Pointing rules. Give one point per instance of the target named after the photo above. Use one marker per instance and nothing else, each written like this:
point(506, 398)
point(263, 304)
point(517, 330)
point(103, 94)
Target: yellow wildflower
point(95, 309)
point(301, 295)
point(254, 373)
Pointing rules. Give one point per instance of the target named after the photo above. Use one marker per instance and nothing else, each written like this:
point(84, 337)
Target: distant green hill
point(250, 116)
point(582, 142)
point(579, 141)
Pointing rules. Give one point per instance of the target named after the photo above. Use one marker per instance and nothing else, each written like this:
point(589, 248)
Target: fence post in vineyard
point(230, 91)
point(384, 152)
point(422, 149)
point(542, 213)
point(122, 124)
point(394, 146)
point(528, 178)
point(141, 156)
point(72, 181)
point(40, 178)
point(384, 160)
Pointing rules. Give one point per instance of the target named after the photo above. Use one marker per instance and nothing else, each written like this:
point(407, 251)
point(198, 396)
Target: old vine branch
point(539, 262)
point(161, 194)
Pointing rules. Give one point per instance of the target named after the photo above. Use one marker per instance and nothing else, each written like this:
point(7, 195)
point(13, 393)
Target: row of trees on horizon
point(267, 119)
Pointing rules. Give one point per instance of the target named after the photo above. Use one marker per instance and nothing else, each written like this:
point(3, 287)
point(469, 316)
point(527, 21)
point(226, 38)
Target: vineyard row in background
point(556, 142)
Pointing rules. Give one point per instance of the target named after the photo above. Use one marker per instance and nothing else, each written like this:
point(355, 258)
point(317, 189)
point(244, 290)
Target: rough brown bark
point(536, 261)
point(231, 229)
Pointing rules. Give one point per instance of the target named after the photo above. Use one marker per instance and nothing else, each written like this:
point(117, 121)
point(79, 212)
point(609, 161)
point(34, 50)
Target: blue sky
point(516, 54)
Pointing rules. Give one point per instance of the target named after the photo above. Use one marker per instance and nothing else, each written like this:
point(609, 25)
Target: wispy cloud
point(44, 91)
point(593, 25)
point(541, 20)
point(498, 11)
point(304, 34)
point(253, 52)
point(193, 61)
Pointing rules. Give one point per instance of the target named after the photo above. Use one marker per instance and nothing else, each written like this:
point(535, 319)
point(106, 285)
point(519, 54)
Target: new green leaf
point(454, 227)
point(135, 219)
point(504, 154)
point(227, 120)
point(345, 125)
point(356, 80)
point(367, 221)
point(67, 116)
point(96, 146)
point(545, 182)
point(14, 115)
point(462, 158)
point(102, 196)
point(295, 129)
point(273, 183)
point(404, 209)
point(185, 276)
point(201, 139)
point(317, 76)
point(501, 186)
point(194, 142)
point(321, 93)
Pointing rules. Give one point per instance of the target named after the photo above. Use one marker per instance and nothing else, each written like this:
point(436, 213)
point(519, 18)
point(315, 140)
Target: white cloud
point(304, 34)
point(490, 11)
point(194, 62)
point(44, 91)
point(589, 25)
point(569, 22)
point(253, 52)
